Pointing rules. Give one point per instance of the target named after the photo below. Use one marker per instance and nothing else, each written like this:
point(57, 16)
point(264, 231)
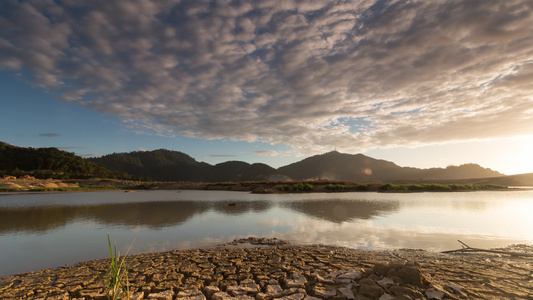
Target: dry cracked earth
point(264, 269)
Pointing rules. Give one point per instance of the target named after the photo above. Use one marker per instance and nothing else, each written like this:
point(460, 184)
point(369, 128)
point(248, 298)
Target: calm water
point(48, 230)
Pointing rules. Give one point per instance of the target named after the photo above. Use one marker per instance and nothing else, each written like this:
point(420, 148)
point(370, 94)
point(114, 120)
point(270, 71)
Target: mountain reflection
point(162, 214)
point(339, 211)
point(151, 214)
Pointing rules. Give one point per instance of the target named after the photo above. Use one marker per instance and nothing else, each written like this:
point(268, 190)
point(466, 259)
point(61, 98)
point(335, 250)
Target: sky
point(420, 83)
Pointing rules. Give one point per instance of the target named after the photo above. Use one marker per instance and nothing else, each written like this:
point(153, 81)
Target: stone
point(137, 296)
point(297, 296)
point(381, 269)
point(323, 292)
point(406, 291)
point(323, 280)
point(221, 296)
point(190, 294)
point(210, 290)
point(244, 297)
point(411, 275)
point(385, 282)
point(235, 290)
point(274, 289)
point(433, 293)
point(290, 283)
point(263, 296)
point(370, 288)
point(387, 297)
point(166, 295)
point(352, 275)
point(346, 292)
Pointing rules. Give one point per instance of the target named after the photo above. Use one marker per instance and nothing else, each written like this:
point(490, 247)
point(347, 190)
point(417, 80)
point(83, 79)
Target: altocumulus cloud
point(355, 74)
point(50, 135)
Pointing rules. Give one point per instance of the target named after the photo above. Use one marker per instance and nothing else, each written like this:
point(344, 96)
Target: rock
point(274, 290)
point(433, 293)
point(385, 282)
point(352, 275)
point(289, 283)
point(210, 290)
point(346, 292)
point(10, 185)
point(297, 296)
point(166, 295)
point(323, 280)
point(324, 292)
point(221, 296)
point(387, 297)
point(406, 291)
point(411, 275)
point(370, 288)
point(190, 294)
point(382, 269)
point(137, 296)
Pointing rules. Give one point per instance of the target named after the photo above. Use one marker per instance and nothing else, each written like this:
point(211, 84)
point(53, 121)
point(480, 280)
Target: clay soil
point(264, 269)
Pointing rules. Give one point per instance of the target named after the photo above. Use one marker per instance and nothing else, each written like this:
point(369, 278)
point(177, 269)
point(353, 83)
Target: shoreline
point(264, 269)
point(16, 186)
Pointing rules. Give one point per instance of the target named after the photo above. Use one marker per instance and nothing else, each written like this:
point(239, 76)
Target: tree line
point(52, 163)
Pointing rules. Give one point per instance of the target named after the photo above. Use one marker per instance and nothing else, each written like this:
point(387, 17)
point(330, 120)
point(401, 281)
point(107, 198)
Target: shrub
point(361, 187)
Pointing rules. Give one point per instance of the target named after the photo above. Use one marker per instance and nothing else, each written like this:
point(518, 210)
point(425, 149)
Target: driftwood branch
point(467, 248)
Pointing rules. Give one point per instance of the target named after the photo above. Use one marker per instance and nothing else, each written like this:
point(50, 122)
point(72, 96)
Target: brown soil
point(264, 269)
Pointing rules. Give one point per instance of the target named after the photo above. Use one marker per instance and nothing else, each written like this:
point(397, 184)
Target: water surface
point(53, 229)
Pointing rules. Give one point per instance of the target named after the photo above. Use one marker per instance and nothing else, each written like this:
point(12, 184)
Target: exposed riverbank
point(260, 187)
point(266, 269)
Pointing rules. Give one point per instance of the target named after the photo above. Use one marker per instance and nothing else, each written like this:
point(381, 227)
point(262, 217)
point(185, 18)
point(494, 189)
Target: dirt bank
point(269, 269)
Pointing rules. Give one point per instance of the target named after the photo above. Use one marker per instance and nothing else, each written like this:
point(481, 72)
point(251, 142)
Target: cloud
point(50, 135)
point(266, 152)
point(354, 74)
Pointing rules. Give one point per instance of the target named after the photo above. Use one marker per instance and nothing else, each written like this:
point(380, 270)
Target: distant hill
point(166, 165)
point(241, 171)
point(160, 165)
point(51, 163)
point(339, 166)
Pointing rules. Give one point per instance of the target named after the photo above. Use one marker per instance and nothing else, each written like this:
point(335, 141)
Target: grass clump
point(301, 187)
point(362, 187)
point(338, 187)
point(116, 281)
point(297, 187)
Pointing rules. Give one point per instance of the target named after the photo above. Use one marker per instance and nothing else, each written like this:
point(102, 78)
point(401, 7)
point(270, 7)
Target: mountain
point(241, 171)
point(51, 163)
point(339, 166)
point(166, 165)
point(160, 165)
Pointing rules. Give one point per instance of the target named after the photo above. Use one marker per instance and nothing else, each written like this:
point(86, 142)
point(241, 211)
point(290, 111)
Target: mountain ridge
point(331, 165)
point(170, 165)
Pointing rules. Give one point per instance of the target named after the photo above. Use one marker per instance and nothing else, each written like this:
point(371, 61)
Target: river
point(54, 229)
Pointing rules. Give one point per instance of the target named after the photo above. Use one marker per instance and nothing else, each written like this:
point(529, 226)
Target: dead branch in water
point(467, 248)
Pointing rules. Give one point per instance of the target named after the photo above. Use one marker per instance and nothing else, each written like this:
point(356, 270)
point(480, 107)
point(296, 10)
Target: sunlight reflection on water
point(48, 230)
